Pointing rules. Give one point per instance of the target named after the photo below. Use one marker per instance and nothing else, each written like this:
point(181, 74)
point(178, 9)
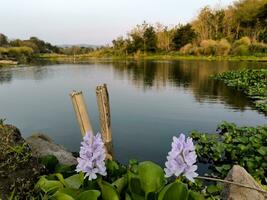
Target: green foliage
point(3, 40)
point(245, 146)
point(137, 181)
point(208, 47)
point(49, 162)
point(241, 46)
point(252, 82)
point(150, 39)
point(258, 47)
point(223, 47)
point(182, 36)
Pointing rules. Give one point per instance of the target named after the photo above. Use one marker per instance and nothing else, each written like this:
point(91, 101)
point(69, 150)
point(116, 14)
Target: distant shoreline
point(85, 57)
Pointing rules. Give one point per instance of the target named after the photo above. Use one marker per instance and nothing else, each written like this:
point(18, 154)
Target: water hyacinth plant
point(181, 158)
point(92, 156)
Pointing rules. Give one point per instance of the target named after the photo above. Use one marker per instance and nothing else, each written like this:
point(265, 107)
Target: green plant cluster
point(250, 81)
point(245, 146)
point(137, 181)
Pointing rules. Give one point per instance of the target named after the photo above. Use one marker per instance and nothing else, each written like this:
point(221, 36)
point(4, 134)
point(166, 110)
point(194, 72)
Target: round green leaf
point(108, 191)
point(174, 191)
point(75, 181)
point(89, 195)
point(61, 196)
point(151, 176)
point(195, 196)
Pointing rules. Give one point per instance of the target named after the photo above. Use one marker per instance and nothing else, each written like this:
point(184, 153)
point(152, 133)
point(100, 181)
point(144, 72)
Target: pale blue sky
point(91, 21)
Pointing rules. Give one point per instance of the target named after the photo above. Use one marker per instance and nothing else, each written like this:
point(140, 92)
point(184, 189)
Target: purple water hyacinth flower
point(92, 156)
point(181, 158)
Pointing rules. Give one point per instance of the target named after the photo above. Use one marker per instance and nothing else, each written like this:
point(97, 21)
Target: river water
point(150, 102)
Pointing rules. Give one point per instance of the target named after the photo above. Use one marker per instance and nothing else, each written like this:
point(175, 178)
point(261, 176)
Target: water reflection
point(193, 76)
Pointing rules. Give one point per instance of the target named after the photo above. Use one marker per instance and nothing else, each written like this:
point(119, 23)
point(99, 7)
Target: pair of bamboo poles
point(83, 119)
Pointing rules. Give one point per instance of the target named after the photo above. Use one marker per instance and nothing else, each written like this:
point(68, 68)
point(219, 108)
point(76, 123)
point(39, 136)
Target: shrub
point(258, 47)
point(223, 47)
point(198, 51)
point(243, 41)
point(3, 52)
point(209, 47)
point(187, 49)
point(240, 50)
point(241, 46)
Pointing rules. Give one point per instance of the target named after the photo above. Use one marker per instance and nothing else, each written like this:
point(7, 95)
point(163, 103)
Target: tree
point(3, 40)
point(150, 39)
point(182, 36)
point(163, 37)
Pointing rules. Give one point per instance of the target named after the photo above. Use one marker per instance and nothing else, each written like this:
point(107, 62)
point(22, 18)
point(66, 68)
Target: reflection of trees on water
point(193, 76)
point(35, 73)
point(5, 76)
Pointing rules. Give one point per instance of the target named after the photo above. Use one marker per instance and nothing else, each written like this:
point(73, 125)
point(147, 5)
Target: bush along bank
point(252, 82)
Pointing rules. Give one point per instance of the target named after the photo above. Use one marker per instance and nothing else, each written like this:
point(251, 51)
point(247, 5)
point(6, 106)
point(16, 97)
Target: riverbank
point(168, 56)
point(8, 62)
point(51, 179)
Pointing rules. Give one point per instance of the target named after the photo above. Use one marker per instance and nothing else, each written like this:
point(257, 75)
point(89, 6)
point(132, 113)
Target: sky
point(92, 21)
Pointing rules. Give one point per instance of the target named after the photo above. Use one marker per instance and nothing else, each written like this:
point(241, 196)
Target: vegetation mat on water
point(250, 81)
point(244, 146)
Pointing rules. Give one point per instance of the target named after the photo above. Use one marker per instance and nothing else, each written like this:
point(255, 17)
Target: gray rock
point(233, 192)
point(42, 145)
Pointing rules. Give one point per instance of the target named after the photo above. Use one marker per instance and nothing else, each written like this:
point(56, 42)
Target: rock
point(42, 145)
point(19, 170)
point(233, 192)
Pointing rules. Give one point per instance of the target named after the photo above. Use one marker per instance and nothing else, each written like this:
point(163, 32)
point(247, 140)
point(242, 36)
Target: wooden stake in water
point(81, 112)
point(104, 116)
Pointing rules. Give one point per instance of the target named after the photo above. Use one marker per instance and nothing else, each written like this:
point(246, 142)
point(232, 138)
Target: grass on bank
point(148, 56)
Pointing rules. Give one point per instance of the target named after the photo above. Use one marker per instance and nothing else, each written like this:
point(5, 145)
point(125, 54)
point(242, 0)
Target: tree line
point(239, 29)
point(24, 50)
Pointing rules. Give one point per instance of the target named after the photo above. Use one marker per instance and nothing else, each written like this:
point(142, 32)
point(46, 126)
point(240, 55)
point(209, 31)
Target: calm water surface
point(150, 102)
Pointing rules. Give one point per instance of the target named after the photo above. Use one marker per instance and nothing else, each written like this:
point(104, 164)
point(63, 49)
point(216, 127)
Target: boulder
point(42, 145)
point(233, 192)
point(19, 170)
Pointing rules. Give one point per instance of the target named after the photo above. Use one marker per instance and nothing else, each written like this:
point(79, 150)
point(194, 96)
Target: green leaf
point(65, 170)
point(263, 151)
point(195, 196)
point(151, 176)
point(120, 184)
point(108, 191)
point(223, 168)
point(48, 186)
point(61, 196)
point(49, 161)
point(135, 186)
point(61, 179)
point(70, 191)
point(127, 196)
point(89, 195)
point(213, 189)
point(75, 181)
point(174, 191)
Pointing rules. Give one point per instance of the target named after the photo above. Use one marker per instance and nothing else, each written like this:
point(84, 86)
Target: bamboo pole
point(104, 117)
point(81, 112)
